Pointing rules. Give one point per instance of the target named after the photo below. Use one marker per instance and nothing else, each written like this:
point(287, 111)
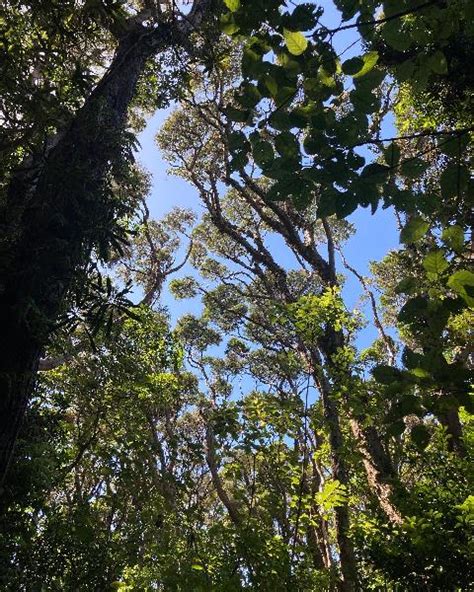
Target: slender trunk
point(227, 501)
point(316, 534)
point(349, 582)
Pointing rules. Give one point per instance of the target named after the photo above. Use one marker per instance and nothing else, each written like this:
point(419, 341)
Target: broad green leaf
point(295, 41)
point(287, 145)
point(413, 167)
point(251, 63)
point(291, 66)
point(263, 153)
point(359, 66)
point(232, 5)
point(228, 24)
point(280, 120)
point(386, 374)
point(415, 229)
point(303, 18)
point(406, 286)
point(454, 180)
point(395, 36)
point(352, 66)
point(236, 140)
point(453, 145)
point(435, 262)
point(267, 86)
point(438, 63)
point(453, 237)
point(249, 96)
point(392, 154)
point(462, 282)
point(326, 78)
point(405, 70)
point(396, 428)
point(411, 359)
point(370, 60)
point(236, 114)
point(197, 567)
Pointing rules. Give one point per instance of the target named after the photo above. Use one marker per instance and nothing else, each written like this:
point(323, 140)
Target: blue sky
point(375, 234)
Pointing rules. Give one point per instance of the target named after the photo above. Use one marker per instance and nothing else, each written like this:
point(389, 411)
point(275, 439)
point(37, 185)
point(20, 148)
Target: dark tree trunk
point(450, 420)
point(49, 223)
point(349, 581)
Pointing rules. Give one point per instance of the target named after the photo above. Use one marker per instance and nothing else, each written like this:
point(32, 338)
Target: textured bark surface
point(381, 476)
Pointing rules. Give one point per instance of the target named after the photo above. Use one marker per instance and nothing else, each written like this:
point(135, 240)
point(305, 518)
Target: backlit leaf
point(295, 41)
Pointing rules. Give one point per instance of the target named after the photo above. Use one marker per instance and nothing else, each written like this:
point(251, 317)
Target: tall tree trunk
point(380, 473)
point(349, 581)
point(56, 210)
point(49, 223)
point(450, 420)
point(229, 503)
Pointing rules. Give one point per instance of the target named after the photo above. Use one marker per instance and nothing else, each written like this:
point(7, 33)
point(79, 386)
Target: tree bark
point(55, 211)
point(450, 420)
point(229, 503)
point(349, 581)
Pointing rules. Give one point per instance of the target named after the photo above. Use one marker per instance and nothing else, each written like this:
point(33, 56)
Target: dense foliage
point(253, 444)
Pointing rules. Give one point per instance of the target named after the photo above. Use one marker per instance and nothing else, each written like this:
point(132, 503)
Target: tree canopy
point(256, 442)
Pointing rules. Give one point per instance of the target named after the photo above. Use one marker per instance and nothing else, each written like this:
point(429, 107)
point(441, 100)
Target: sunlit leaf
point(295, 41)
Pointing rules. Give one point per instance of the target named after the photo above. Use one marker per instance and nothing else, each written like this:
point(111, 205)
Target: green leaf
point(405, 70)
point(396, 428)
point(288, 187)
point(295, 41)
point(453, 237)
point(411, 359)
point(236, 114)
point(236, 140)
point(352, 66)
point(370, 59)
point(437, 63)
point(395, 36)
point(228, 24)
point(303, 18)
point(197, 567)
point(287, 145)
point(406, 286)
point(454, 146)
point(326, 78)
point(232, 5)
point(386, 374)
point(462, 282)
point(249, 95)
point(359, 66)
point(252, 63)
point(413, 167)
point(263, 153)
point(409, 405)
point(280, 120)
point(454, 180)
point(416, 229)
point(267, 85)
point(435, 262)
point(392, 154)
